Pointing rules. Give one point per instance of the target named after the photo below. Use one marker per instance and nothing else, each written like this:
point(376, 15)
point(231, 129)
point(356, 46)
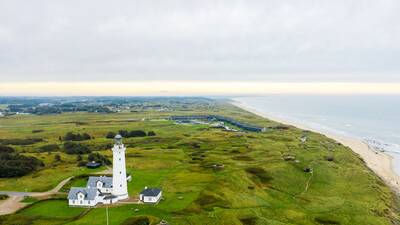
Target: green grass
point(57, 209)
point(255, 185)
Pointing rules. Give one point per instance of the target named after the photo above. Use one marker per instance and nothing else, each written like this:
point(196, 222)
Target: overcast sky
point(282, 40)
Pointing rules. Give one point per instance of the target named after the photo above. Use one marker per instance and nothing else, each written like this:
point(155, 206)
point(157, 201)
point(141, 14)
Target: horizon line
point(192, 88)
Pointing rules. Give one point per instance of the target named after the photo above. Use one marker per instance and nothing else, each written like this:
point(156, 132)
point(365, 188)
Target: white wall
point(82, 202)
point(150, 199)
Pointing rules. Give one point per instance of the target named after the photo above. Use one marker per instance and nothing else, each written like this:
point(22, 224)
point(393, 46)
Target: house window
point(88, 202)
point(120, 185)
point(119, 159)
point(150, 199)
point(120, 172)
point(73, 201)
point(80, 202)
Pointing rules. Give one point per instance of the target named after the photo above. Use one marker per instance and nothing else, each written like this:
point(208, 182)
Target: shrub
point(3, 197)
point(16, 165)
point(49, 148)
point(141, 220)
point(70, 136)
point(110, 135)
point(124, 133)
point(137, 133)
point(27, 141)
point(37, 131)
point(75, 148)
point(99, 158)
point(6, 149)
point(151, 133)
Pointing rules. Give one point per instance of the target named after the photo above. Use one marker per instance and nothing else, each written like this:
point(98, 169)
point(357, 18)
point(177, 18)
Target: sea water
point(372, 118)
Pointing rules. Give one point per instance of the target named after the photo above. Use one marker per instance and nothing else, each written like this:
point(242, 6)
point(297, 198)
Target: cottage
point(103, 183)
point(93, 165)
point(150, 195)
point(83, 196)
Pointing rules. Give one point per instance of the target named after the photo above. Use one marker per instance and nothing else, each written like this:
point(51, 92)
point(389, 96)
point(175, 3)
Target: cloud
point(271, 40)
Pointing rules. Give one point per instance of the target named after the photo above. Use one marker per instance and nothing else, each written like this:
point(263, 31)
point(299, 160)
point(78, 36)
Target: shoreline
point(379, 162)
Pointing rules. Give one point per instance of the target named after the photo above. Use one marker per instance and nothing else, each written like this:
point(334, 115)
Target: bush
point(37, 131)
point(142, 220)
point(110, 135)
point(132, 133)
point(49, 148)
point(137, 133)
point(124, 133)
point(16, 165)
point(27, 141)
point(151, 133)
point(6, 149)
point(76, 137)
point(75, 148)
point(3, 197)
point(99, 158)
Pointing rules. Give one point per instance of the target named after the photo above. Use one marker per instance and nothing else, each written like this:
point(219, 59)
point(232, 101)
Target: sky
point(267, 41)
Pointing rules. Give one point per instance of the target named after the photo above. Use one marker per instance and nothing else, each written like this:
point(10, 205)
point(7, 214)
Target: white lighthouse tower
point(120, 189)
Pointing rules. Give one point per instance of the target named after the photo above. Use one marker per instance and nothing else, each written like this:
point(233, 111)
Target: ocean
point(372, 118)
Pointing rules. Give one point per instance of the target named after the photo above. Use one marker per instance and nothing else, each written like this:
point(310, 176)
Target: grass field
point(255, 186)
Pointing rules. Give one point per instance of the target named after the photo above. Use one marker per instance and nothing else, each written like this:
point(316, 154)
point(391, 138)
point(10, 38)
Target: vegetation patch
point(75, 148)
point(70, 136)
point(208, 201)
point(326, 220)
point(259, 174)
point(243, 158)
point(140, 220)
point(13, 164)
point(248, 220)
point(49, 148)
point(4, 197)
point(26, 141)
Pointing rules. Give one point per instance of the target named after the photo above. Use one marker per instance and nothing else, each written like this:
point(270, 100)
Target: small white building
point(150, 195)
point(83, 197)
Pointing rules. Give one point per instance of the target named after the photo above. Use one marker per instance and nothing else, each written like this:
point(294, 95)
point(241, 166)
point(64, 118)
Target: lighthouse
point(120, 187)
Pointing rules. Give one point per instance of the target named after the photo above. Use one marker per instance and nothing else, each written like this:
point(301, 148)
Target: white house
point(102, 189)
point(104, 184)
point(83, 196)
point(150, 195)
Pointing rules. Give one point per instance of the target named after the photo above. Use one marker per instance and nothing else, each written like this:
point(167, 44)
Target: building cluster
point(224, 119)
point(109, 190)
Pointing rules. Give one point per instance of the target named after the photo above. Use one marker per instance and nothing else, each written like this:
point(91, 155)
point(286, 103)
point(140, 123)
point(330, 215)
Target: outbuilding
point(150, 195)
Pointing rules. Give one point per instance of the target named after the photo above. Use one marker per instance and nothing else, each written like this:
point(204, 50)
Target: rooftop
point(90, 193)
point(151, 192)
point(92, 182)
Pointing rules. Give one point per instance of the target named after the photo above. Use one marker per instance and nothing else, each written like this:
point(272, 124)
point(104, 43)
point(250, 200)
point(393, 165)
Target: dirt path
point(13, 203)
